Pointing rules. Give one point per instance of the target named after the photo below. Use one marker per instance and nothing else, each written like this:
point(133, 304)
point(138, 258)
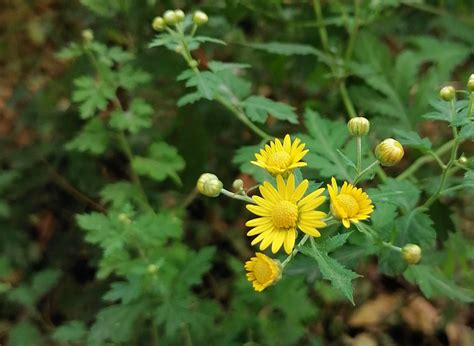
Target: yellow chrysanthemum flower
point(350, 204)
point(278, 158)
point(282, 211)
point(262, 271)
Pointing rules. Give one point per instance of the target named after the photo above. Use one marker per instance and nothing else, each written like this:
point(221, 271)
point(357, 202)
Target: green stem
point(391, 246)
point(425, 159)
point(346, 99)
point(323, 34)
point(471, 102)
point(359, 153)
point(353, 32)
point(376, 162)
point(237, 196)
point(437, 159)
point(295, 250)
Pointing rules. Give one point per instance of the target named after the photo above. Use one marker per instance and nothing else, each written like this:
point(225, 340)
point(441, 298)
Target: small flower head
point(358, 126)
point(124, 219)
point(470, 82)
point(349, 204)
point(463, 160)
point(262, 271)
point(179, 15)
point(238, 184)
point(158, 24)
point(200, 18)
point(282, 211)
point(389, 152)
point(87, 35)
point(209, 185)
point(447, 93)
point(170, 17)
point(281, 158)
point(411, 253)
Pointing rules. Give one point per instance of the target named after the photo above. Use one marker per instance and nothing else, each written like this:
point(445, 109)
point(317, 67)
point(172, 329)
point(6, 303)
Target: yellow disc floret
point(281, 158)
point(284, 210)
point(350, 204)
point(262, 271)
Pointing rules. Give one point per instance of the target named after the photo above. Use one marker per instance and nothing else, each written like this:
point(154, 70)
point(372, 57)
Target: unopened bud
point(358, 126)
point(178, 49)
point(462, 160)
point(158, 24)
point(152, 268)
point(447, 93)
point(470, 83)
point(238, 184)
point(87, 35)
point(179, 15)
point(123, 218)
point(411, 253)
point(209, 185)
point(389, 152)
point(193, 63)
point(200, 18)
point(170, 17)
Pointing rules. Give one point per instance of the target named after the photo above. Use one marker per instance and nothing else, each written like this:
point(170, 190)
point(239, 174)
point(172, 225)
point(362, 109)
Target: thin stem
point(323, 34)
point(376, 162)
point(391, 246)
point(359, 154)
point(437, 159)
point(295, 250)
point(425, 159)
point(346, 99)
point(237, 196)
point(471, 102)
point(353, 32)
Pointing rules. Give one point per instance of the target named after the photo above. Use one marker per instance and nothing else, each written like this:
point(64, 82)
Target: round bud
point(209, 185)
point(170, 17)
point(158, 24)
point(152, 268)
point(179, 15)
point(447, 93)
point(178, 49)
point(389, 152)
point(87, 35)
point(358, 126)
point(193, 63)
point(470, 82)
point(411, 253)
point(124, 219)
point(200, 18)
point(463, 160)
point(238, 184)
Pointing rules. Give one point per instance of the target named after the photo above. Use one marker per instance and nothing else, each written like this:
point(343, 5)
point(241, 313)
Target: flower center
point(262, 271)
point(280, 159)
point(349, 204)
point(285, 215)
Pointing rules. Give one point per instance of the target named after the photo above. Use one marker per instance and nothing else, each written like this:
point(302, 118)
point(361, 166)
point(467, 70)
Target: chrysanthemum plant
point(358, 211)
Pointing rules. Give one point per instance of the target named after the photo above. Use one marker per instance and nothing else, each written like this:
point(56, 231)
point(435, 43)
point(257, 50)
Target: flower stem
point(237, 196)
point(359, 154)
point(295, 250)
point(376, 162)
point(391, 246)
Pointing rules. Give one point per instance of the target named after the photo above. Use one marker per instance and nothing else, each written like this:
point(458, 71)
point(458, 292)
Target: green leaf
point(93, 95)
point(43, 281)
point(24, 333)
point(467, 132)
point(325, 137)
point(137, 117)
point(340, 277)
point(334, 242)
point(289, 49)
point(413, 139)
point(126, 291)
point(433, 282)
point(71, 331)
point(197, 264)
point(219, 66)
point(129, 77)
point(259, 107)
point(93, 138)
point(415, 227)
point(104, 8)
point(401, 193)
point(204, 39)
point(118, 194)
point(162, 161)
point(206, 83)
point(242, 158)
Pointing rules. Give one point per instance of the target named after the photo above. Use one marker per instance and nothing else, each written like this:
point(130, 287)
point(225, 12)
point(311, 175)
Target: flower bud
point(238, 184)
point(470, 82)
point(411, 253)
point(87, 35)
point(124, 219)
point(200, 18)
point(158, 24)
point(209, 185)
point(178, 49)
point(179, 15)
point(170, 17)
point(389, 152)
point(152, 268)
point(462, 160)
point(447, 93)
point(193, 63)
point(358, 126)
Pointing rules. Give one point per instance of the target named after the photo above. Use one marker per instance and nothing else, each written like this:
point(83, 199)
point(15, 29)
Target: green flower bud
point(209, 185)
point(447, 93)
point(170, 17)
point(124, 219)
point(158, 24)
point(200, 18)
point(87, 35)
point(463, 160)
point(178, 49)
point(411, 253)
point(152, 268)
point(179, 15)
point(193, 63)
point(358, 126)
point(238, 184)
point(389, 152)
point(470, 82)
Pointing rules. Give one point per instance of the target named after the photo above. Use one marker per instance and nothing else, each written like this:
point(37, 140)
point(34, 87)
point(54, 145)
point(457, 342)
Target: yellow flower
point(282, 211)
point(278, 158)
point(262, 271)
point(350, 204)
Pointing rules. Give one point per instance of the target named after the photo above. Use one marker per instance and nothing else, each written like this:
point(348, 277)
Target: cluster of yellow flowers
point(283, 210)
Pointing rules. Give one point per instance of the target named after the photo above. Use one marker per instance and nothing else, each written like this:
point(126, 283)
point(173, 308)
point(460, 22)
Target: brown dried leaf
point(420, 315)
point(374, 311)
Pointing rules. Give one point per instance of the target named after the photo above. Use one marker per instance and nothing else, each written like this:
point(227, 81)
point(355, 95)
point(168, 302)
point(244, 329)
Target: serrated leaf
point(290, 49)
point(93, 138)
point(189, 99)
point(258, 108)
point(125, 291)
point(415, 227)
point(203, 39)
point(413, 139)
point(198, 264)
point(242, 158)
point(129, 77)
point(347, 160)
point(219, 66)
point(43, 281)
point(334, 242)
point(93, 95)
point(466, 132)
point(71, 331)
point(118, 194)
point(433, 282)
point(401, 193)
point(136, 118)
